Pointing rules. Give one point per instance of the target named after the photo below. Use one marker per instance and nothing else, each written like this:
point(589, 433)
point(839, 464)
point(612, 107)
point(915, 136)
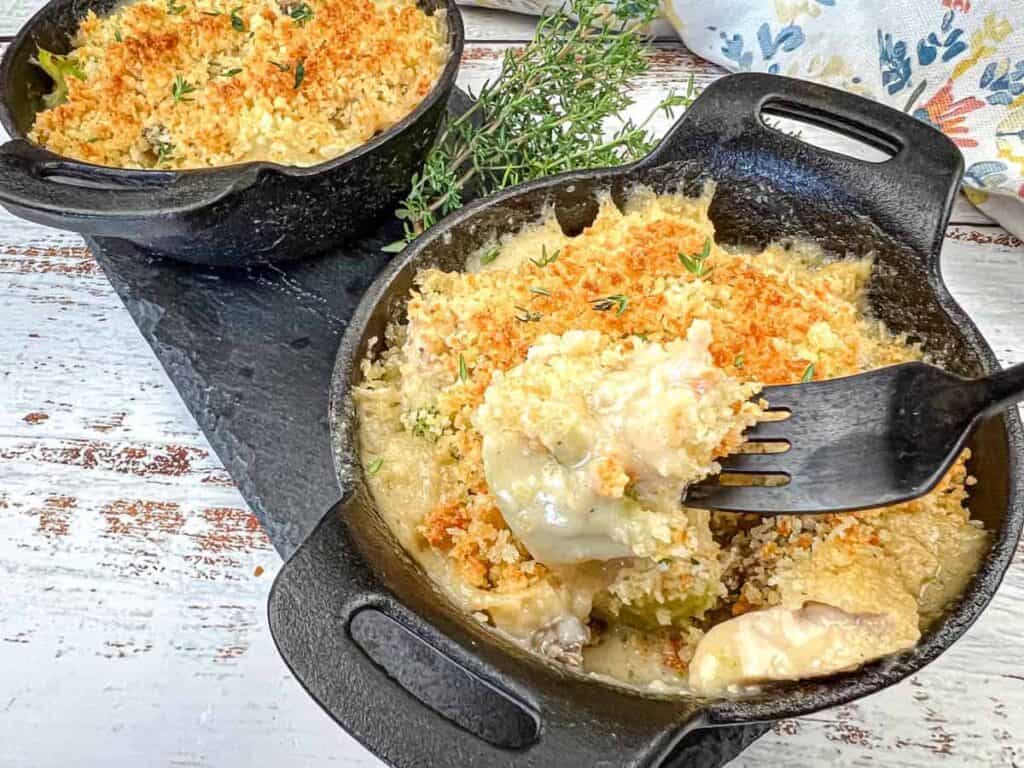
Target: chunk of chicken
point(791, 644)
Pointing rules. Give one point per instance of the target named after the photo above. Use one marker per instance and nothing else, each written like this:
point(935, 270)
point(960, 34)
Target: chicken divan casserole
point(174, 84)
point(528, 432)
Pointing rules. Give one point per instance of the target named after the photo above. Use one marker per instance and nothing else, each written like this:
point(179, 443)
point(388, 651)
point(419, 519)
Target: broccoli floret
point(57, 67)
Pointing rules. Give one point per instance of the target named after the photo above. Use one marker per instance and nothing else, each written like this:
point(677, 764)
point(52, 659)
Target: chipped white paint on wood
point(133, 579)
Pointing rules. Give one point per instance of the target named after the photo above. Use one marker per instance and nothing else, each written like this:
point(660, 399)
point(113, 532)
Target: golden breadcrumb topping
point(174, 84)
point(644, 275)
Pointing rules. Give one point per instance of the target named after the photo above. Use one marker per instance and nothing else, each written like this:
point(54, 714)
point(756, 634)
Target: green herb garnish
point(301, 13)
point(540, 291)
point(524, 315)
point(489, 255)
point(164, 151)
point(117, 34)
point(57, 67)
point(282, 67)
point(463, 372)
point(737, 362)
point(808, 374)
point(695, 264)
point(236, 21)
point(607, 302)
point(374, 466)
point(300, 72)
point(545, 258)
point(180, 88)
point(230, 72)
point(423, 425)
point(548, 111)
point(174, 9)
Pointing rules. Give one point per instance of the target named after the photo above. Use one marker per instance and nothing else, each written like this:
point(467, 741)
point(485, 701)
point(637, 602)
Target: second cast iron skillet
point(420, 683)
point(228, 216)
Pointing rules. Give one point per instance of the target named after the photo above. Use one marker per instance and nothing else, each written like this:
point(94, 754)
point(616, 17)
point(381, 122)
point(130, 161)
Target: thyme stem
point(547, 112)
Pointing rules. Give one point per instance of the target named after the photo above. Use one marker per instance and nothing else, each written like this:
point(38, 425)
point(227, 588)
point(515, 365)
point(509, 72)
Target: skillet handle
point(442, 692)
point(95, 200)
point(910, 194)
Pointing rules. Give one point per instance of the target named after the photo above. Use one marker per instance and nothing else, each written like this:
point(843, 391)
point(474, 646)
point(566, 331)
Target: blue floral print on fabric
point(786, 40)
point(895, 63)
point(951, 45)
point(1003, 81)
point(733, 50)
point(987, 174)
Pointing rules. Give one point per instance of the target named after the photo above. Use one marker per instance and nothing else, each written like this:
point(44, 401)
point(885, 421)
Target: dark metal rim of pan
point(768, 186)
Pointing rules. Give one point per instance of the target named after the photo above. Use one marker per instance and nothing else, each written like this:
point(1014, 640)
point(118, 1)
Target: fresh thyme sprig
point(547, 112)
point(524, 315)
point(695, 263)
point(608, 302)
point(545, 257)
point(180, 89)
point(164, 151)
point(301, 13)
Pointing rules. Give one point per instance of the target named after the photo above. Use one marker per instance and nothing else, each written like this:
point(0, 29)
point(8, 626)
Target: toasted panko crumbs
point(175, 84)
point(773, 314)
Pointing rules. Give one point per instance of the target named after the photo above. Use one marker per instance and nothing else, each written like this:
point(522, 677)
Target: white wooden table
point(133, 578)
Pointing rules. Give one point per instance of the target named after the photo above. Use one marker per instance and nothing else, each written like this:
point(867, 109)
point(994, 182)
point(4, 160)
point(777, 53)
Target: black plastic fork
point(862, 441)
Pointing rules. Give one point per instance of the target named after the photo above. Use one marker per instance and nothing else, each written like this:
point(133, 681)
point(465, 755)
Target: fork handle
point(1001, 390)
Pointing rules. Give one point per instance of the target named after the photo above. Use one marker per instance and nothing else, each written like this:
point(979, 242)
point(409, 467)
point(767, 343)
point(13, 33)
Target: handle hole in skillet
point(576, 210)
point(115, 179)
point(440, 683)
point(828, 131)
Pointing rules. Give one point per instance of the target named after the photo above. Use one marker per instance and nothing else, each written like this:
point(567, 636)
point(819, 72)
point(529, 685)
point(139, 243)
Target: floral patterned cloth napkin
point(956, 64)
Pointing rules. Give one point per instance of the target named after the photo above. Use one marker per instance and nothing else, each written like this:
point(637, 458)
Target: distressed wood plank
point(132, 625)
point(132, 613)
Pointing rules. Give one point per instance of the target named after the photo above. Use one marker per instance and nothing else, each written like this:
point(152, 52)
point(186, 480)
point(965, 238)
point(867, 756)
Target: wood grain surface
point(133, 579)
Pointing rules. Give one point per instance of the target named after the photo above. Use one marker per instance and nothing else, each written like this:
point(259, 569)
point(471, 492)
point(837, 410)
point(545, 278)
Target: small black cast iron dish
point(230, 216)
point(418, 682)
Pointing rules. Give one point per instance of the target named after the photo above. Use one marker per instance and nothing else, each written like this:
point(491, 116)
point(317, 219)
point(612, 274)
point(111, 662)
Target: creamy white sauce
point(552, 508)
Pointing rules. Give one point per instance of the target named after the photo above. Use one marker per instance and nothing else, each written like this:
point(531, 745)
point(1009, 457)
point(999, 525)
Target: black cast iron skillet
point(229, 216)
point(421, 684)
